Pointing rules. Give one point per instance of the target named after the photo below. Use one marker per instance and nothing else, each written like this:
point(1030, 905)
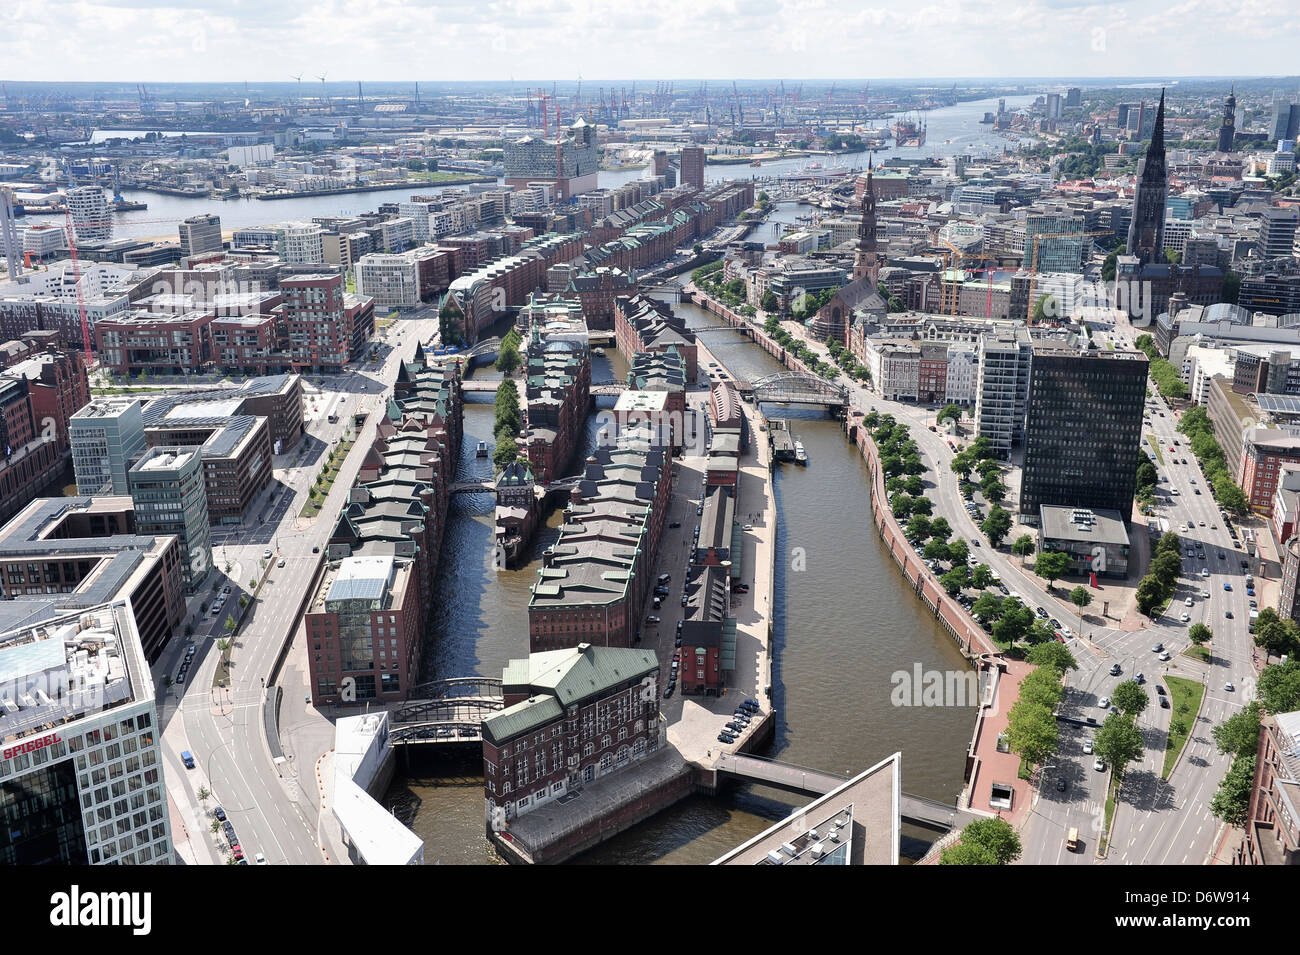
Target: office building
point(106, 435)
point(1095, 540)
point(201, 234)
point(572, 716)
point(570, 161)
point(326, 325)
point(1073, 97)
point(1277, 232)
point(1003, 389)
point(81, 774)
point(1083, 429)
point(170, 497)
point(392, 280)
point(1146, 230)
point(692, 158)
point(302, 244)
point(363, 628)
point(90, 216)
point(1055, 243)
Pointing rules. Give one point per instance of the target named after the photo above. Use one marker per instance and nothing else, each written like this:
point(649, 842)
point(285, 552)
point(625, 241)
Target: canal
point(845, 622)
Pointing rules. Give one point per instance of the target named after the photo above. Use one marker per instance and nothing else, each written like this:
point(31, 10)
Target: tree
point(1081, 596)
point(1043, 686)
point(918, 527)
point(951, 412)
point(1278, 687)
point(1231, 802)
point(508, 357)
point(1023, 547)
point(954, 580)
point(958, 552)
point(1046, 310)
point(995, 836)
point(922, 505)
point(215, 827)
point(769, 302)
point(1238, 735)
point(914, 485)
point(1150, 594)
point(230, 623)
point(960, 853)
point(986, 607)
point(506, 453)
point(223, 645)
point(697, 248)
point(940, 528)
point(1146, 474)
point(962, 465)
point(1052, 654)
point(1130, 698)
point(203, 794)
point(1014, 622)
point(1051, 565)
point(993, 489)
point(1231, 497)
point(935, 549)
point(1200, 633)
point(1118, 742)
point(1032, 731)
point(981, 576)
point(996, 525)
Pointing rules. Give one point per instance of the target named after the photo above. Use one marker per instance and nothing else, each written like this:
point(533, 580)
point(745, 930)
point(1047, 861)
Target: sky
point(272, 40)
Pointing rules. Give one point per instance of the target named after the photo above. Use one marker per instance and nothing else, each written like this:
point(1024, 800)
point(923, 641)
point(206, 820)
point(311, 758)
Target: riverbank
point(716, 160)
point(407, 184)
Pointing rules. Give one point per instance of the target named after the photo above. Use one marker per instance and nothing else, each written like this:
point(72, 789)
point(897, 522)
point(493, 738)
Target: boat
point(800, 455)
point(482, 451)
point(598, 351)
point(756, 163)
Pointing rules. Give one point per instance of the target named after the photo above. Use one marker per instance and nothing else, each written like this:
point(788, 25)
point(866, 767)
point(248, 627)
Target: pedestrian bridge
point(796, 387)
point(450, 711)
point(916, 810)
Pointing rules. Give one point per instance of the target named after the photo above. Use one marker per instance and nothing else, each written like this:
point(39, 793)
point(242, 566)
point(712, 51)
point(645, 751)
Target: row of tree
point(509, 421)
point(846, 360)
point(1167, 378)
point(1157, 588)
point(1200, 433)
point(508, 359)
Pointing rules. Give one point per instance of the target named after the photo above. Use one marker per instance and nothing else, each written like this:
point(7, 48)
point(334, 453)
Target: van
point(1072, 839)
point(187, 758)
point(333, 419)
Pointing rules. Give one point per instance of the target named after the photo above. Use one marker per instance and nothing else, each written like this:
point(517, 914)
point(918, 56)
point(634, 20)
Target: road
point(273, 807)
point(1159, 822)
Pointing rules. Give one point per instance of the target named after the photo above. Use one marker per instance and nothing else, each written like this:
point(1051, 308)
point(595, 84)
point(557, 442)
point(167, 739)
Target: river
point(950, 131)
point(845, 621)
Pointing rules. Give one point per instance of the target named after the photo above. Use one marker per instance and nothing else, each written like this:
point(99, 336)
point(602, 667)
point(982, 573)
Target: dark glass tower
point(1146, 231)
point(1083, 429)
point(1229, 127)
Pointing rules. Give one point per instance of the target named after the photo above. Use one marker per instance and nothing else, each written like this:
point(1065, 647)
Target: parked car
point(220, 814)
point(1157, 648)
point(1087, 746)
point(1115, 669)
point(1229, 687)
point(668, 690)
point(1104, 702)
point(1164, 702)
point(726, 738)
point(652, 619)
point(1099, 765)
point(1060, 784)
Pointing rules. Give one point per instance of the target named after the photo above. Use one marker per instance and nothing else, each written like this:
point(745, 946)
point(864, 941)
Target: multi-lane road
point(272, 805)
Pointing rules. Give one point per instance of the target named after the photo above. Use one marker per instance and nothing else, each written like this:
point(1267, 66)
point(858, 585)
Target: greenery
point(984, 842)
point(1157, 587)
point(1023, 547)
point(1166, 376)
point(996, 525)
point(953, 412)
point(1200, 633)
point(1200, 432)
point(508, 360)
point(1045, 310)
point(1231, 801)
point(1051, 565)
point(1130, 699)
point(1081, 597)
point(1277, 634)
point(506, 452)
point(1032, 730)
point(325, 480)
point(1118, 742)
point(1052, 654)
point(1185, 701)
point(1278, 687)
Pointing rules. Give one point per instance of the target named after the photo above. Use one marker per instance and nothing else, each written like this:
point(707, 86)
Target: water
point(843, 624)
point(960, 124)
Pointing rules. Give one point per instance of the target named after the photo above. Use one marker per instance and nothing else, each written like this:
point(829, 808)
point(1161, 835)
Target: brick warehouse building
point(644, 324)
point(594, 581)
point(571, 717)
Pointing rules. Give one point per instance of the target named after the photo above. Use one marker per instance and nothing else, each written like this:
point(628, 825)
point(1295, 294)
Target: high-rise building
point(1073, 97)
point(1003, 389)
point(693, 166)
point(1147, 229)
point(1229, 127)
point(170, 497)
point(200, 234)
point(1277, 232)
point(1083, 429)
point(303, 244)
point(105, 436)
point(90, 219)
point(570, 161)
point(1054, 242)
point(81, 772)
point(1053, 105)
point(1286, 121)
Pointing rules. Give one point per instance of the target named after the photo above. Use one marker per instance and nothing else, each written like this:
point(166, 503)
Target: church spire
point(1150, 194)
point(866, 263)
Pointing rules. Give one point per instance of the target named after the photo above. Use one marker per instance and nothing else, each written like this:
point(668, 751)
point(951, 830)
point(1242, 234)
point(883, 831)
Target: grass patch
point(1185, 700)
point(222, 675)
point(446, 177)
point(1198, 653)
point(1155, 446)
point(325, 480)
point(1026, 770)
point(1110, 815)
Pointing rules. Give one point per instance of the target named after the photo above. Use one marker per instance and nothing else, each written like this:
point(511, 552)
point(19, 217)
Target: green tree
point(935, 549)
point(922, 505)
point(993, 489)
point(769, 302)
point(1149, 595)
point(1118, 742)
point(918, 527)
point(1014, 622)
point(1046, 310)
point(1032, 731)
point(900, 505)
point(996, 525)
point(958, 551)
point(960, 853)
point(1052, 654)
point(986, 607)
point(962, 465)
point(996, 836)
point(1130, 698)
point(1146, 474)
point(1023, 547)
point(1231, 801)
point(954, 580)
point(1200, 633)
point(1238, 735)
point(914, 485)
point(1081, 596)
point(230, 623)
point(204, 794)
point(506, 453)
point(1278, 687)
point(1051, 565)
point(508, 360)
point(697, 248)
point(981, 576)
point(1043, 686)
point(951, 412)
point(1231, 287)
point(939, 528)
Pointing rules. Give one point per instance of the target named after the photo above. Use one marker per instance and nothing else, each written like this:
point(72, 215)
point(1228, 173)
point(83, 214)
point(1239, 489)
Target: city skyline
point(176, 40)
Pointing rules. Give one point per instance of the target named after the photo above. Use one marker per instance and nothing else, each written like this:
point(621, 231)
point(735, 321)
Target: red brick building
point(248, 344)
point(1272, 830)
point(325, 327)
point(571, 717)
point(156, 344)
point(701, 666)
point(643, 324)
point(1263, 454)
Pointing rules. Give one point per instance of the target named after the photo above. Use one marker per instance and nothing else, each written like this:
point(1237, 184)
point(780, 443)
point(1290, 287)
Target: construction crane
point(323, 96)
point(740, 109)
point(1033, 260)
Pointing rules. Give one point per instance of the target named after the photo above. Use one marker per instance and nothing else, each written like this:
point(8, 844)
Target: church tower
point(1228, 129)
point(1146, 231)
point(866, 263)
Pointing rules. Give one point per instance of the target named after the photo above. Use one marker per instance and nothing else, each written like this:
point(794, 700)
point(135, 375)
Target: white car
point(1104, 702)
point(1099, 765)
point(1189, 601)
point(260, 859)
point(1205, 594)
point(1087, 747)
point(266, 554)
point(1205, 572)
point(1229, 687)
point(1184, 618)
point(1164, 655)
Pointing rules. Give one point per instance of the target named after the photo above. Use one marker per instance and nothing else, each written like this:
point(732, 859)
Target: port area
point(687, 759)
